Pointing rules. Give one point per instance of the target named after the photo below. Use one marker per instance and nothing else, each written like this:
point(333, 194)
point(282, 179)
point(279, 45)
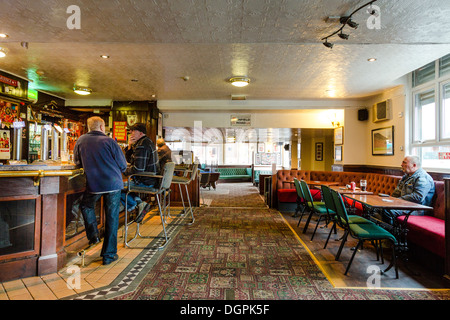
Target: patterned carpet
point(234, 195)
point(246, 254)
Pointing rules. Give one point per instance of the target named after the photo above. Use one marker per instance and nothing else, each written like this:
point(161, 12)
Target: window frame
point(437, 84)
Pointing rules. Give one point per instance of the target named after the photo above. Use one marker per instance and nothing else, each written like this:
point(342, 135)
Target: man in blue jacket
point(103, 162)
point(416, 186)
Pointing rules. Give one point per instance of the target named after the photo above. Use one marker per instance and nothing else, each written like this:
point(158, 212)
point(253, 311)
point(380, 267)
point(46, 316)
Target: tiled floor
point(93, 275)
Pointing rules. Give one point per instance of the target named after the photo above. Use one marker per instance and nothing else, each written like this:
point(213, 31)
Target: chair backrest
point(307, 194)
point(342, 217)
point(194, 171)
point(328, 199)
point(204, 178)
point(166, 181)
point(298, 188)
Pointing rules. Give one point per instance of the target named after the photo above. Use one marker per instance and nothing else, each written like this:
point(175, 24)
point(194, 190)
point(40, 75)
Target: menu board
point(120, 130)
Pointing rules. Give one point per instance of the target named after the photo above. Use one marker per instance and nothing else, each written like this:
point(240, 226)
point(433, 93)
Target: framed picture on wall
point(339, 135)
point(338, 153)
point(319, 151)
point(383, 141)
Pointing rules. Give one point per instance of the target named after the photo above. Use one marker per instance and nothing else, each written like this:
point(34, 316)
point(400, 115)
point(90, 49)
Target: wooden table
point(345, 190)
point(372, 202)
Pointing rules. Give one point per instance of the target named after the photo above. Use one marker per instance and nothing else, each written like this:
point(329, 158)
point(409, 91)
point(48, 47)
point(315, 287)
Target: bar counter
point(40, 223)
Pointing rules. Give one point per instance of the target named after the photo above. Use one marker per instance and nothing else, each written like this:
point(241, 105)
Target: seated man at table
point(416, 186)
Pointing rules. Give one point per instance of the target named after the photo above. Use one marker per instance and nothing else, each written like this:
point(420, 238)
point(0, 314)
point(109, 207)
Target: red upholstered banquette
point(426, 231)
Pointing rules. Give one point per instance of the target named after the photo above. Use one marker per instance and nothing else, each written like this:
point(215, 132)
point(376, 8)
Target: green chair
point(363, 232)
point(301, 205)
point(314, 207)
point(329, 203)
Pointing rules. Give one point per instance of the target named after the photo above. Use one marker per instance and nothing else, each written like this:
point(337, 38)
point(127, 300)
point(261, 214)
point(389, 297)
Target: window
point(445, 116)
point(424, 74)
point(430, 139)
point(444, 65)
point(425, 116)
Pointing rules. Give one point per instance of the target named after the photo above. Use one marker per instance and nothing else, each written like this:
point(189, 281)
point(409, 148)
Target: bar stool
point(203, 181)
point(186, 179)
point(162, 191)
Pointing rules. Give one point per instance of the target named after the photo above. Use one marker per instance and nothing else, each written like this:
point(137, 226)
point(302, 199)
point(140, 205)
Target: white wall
point(358, 134)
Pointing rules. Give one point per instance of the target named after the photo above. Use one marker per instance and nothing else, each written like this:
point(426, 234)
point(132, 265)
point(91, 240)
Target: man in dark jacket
point(164, 153)
point(142, 157)
point(103, 163)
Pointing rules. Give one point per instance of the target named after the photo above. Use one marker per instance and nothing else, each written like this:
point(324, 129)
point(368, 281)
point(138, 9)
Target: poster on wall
point(120, 130)
point(5, 145)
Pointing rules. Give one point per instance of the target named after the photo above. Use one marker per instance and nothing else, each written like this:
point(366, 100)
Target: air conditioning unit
point(382, 110)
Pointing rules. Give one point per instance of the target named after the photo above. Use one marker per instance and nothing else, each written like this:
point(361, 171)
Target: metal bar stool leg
point(190, 206)
point(182, 200)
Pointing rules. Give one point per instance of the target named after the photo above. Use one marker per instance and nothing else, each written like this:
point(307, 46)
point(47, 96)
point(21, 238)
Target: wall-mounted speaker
point(363, 114)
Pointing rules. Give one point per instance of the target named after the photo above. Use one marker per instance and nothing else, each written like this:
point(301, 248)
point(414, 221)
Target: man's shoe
point(142, 211)
point(108, 261)
point(94, 240)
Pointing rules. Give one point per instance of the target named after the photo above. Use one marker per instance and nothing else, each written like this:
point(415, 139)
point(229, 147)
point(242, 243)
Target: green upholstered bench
point(235, 174)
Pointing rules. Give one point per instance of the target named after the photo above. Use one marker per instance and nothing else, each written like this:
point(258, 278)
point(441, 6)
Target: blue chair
point(363, 232)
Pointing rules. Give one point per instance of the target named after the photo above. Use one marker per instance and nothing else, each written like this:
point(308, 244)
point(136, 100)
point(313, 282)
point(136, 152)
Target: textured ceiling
point(277, 43)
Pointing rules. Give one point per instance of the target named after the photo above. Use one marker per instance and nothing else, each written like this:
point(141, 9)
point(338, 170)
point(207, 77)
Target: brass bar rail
point(38, 174)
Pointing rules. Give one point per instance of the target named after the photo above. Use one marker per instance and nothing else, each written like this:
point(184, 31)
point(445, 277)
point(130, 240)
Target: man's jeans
point(111, 200)
point(133, 199)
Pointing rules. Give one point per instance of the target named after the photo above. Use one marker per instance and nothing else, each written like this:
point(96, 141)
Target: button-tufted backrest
point(285, 177)
point(342, 177)
point(381, 183)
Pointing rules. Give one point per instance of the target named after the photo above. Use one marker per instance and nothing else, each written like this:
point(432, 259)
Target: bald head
point(411, 164)
point(96, 124)
point(160, 142)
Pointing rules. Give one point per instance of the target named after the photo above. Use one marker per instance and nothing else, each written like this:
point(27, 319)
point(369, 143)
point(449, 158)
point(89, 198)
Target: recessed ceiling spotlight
point(104, 56)
point(84, 91)
point(2, 52)
point(372, 59)
point(3, 35)
point(239, 81)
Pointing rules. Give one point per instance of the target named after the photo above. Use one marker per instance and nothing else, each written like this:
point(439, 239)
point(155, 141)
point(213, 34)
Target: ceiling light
point(3, 35)
point(343, 36)
point(82, 90)
point(104, 56)
point(327, 44)
point(2, 52)
point(239, 81)
point(346, 21)
point(372, 59)
point(349, 22)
